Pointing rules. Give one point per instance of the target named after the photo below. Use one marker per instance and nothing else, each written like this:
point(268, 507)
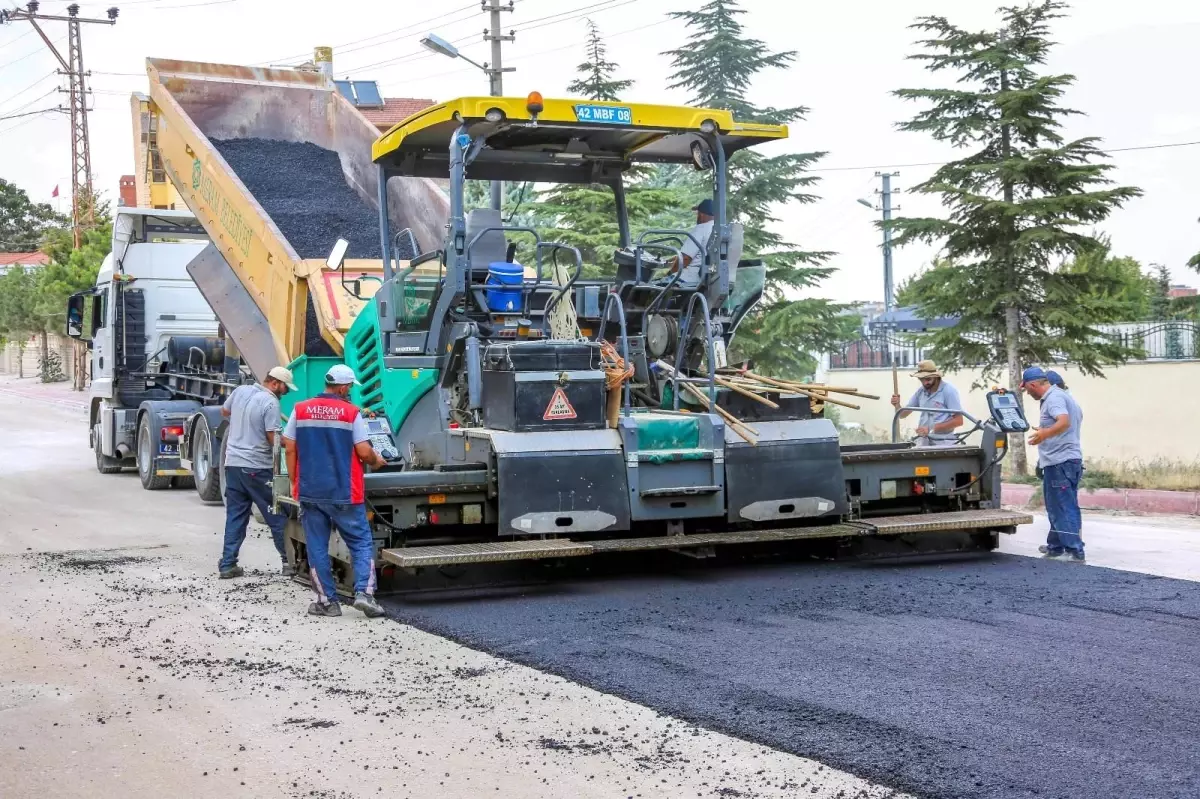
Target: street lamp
point(867, 203)
point(437, 44)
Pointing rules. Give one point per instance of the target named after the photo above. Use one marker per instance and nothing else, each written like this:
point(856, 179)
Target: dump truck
point(156, 357)
point(525, 412)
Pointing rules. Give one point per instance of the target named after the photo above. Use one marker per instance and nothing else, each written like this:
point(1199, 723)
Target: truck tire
point(204, 465)
point(104, 464)
point(147, 458)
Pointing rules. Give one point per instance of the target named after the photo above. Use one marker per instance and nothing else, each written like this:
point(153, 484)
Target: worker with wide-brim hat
point(936, 426)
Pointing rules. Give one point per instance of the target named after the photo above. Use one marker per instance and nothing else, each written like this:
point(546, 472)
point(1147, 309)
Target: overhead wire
point(39, 49)
point(401, 29)
point(27, 88)
point(575, 13)
point(944, 163)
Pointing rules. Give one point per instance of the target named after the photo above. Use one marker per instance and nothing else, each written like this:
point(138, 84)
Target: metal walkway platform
point(497, 551)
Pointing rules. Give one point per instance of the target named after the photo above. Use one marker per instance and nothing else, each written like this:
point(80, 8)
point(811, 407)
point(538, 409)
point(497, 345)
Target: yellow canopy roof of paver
point(570, 131)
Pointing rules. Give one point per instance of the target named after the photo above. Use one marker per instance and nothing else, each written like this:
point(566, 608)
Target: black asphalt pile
point(994, 677)
point(303, 189)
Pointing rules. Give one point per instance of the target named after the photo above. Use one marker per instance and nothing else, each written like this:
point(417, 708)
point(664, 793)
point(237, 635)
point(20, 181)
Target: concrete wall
point(1143, 411)
point(12, 360)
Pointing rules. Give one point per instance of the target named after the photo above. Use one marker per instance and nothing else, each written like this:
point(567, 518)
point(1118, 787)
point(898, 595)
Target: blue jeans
point(319, 519)
point(244, 487)
point(1060, 488)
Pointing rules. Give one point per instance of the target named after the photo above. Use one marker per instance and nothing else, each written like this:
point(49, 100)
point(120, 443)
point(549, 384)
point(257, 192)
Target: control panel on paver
point(379, 433)
point(1007, 412)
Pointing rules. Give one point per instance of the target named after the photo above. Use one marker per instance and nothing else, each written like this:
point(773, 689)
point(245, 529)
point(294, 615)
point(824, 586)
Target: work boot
point(231, 572)
point(367, 604)
point(325, 609)
point(288, 570)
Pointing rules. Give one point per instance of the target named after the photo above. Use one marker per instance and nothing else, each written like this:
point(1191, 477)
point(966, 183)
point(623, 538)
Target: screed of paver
point(128, 670)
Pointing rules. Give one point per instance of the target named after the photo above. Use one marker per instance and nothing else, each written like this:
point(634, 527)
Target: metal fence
point(1155, 341)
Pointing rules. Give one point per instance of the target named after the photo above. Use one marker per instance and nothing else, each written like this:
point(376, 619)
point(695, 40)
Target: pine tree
point(585, 215)
point(716, 67)
point(596, 74)
point(1019, 203)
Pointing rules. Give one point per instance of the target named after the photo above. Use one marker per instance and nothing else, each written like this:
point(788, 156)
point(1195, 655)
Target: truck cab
point(143, 308)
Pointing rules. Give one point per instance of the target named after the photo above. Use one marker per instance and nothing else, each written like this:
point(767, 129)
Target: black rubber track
point(996, 676)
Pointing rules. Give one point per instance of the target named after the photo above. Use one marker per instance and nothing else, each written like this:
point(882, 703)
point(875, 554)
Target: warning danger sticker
point(559, 407)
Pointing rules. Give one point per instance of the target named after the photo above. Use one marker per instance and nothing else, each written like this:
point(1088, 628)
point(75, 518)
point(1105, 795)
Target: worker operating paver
point(327, 448)
point(937, 425)
point(1060, 459)
point(253, 413)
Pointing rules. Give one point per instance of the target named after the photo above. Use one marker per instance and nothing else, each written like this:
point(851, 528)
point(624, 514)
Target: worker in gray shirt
point(254, 421)
point(936, 426)
point(1060, 457)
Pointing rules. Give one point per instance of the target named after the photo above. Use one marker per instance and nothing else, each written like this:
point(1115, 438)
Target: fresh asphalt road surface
point(996, 676)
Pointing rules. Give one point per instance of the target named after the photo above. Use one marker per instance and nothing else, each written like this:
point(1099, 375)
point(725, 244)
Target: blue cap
point(704, 207)
point(1032, 373)
point(1054, 377)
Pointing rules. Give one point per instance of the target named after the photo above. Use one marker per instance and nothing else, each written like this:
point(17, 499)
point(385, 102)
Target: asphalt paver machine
point(528, 413)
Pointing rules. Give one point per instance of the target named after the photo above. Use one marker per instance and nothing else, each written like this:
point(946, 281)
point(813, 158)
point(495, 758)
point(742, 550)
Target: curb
point(1135, 500)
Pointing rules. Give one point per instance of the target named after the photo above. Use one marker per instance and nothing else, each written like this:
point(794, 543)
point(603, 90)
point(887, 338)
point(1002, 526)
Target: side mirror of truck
point(75, 316)
point(338, 254)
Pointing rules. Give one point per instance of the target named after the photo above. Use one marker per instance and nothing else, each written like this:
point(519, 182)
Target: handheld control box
point(379, 433)
point(1007, 412)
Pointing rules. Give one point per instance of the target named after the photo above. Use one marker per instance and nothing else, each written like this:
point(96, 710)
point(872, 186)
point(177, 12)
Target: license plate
point(619, 115)
point(168, 449)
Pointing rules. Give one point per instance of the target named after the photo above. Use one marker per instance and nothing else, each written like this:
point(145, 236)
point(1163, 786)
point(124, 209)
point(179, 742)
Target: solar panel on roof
point(345, 88)
point(367, 93)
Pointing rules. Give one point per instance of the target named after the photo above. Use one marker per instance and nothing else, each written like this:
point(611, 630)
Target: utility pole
point(889, 296)
point(885, 194)
point(496, 69)
point(83, 212)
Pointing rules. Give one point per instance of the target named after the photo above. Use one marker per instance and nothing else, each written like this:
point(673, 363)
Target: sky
point(1134, 64)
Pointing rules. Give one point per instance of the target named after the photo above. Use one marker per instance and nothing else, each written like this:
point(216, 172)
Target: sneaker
point(1070, 557)
point(1048, 553)
point(1045, 550)
point(367, 604)
point(326, 609)
point(231, 572)
point(288, 570)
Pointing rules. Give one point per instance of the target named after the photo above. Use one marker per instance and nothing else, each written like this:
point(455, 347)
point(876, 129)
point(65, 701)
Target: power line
point(575, 13)
point(401, 29)
point(581, 43)
point(28, 114)
point(943, 163)
point(27, 88)
point(31, 52)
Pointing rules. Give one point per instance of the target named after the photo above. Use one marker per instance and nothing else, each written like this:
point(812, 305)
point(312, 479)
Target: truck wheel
point(104, 464)
point(204, 465)
point(147, 459)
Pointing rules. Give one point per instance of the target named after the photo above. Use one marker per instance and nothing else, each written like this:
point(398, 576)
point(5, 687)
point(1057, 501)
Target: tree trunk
point(21, 356)
point(1016, 441)
point(1012, 308)
point(79, 379)
point(44, 362)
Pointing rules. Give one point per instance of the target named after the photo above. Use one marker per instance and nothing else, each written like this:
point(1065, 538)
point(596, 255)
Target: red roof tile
point(394, 110)
point(24, 258)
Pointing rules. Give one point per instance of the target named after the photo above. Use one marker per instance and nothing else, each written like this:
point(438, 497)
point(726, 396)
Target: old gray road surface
point(1001, 676)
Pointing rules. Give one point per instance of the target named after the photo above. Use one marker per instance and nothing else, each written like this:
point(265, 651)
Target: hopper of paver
point(276, 164)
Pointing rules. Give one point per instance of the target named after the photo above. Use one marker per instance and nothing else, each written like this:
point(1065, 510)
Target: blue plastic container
point(504, 287)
